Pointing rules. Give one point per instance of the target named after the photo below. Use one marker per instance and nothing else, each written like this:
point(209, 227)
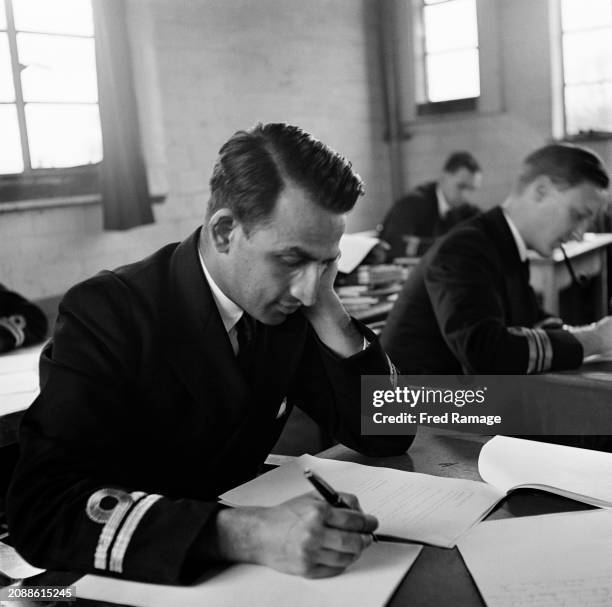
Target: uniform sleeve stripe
point(531, 346)
point(547, 352)
point(539, 347)
point(110, 528)
point(127, 530)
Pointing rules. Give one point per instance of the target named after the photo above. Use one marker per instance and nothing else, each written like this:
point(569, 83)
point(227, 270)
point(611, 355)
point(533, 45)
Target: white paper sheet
point(354, 248)
point(545, 561)
point(23, 359)
point(368, 583)
point(583, 474)
point(418, 507)
point(12, 565)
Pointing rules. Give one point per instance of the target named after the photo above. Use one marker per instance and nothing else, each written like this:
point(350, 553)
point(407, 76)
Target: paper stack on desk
point(542, 561)
point(438, 510)
point(410, 506)
point(369, 582)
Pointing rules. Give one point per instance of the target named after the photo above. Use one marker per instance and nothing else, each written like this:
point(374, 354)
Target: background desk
point(588, 258)
point(439, 576)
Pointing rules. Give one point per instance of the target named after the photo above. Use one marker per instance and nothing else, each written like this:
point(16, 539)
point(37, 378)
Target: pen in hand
point(329, 494)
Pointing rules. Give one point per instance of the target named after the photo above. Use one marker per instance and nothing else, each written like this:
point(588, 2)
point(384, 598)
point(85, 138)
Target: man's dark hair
point(254, 166)
point(565, 164)
point(461, 160)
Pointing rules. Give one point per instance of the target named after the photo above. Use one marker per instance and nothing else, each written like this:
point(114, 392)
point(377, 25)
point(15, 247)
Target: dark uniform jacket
point(468, 307)
point(21, 322)
point(417, 214)
point(144, 418)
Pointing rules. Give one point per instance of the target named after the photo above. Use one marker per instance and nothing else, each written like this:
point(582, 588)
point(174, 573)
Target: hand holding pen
point(329, 494)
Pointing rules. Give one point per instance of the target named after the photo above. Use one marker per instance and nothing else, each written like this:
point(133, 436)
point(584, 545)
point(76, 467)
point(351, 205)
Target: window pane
point(10, 150)
point(580, 14)
point(2, 16)
point(453, 75)
point(451, 25)
point(587, 56)
point(7, 91)
point(63, 135)
point(57, 69)
point(54, 16)
point(588, 107)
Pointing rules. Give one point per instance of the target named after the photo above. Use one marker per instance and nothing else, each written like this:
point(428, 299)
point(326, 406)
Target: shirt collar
point(518, 239)
point(229, 311)
point(443, 206)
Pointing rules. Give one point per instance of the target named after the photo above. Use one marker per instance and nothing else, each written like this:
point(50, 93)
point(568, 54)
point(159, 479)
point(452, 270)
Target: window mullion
point(23, 131)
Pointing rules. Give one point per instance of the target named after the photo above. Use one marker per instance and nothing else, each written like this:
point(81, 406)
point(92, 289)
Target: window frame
point(560, 109)
point(36, 183)
point(425, 107)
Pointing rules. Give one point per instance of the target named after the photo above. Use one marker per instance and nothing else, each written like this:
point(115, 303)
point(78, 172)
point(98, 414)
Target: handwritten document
point(410, 506)
point(544, 561)
point(369, 582)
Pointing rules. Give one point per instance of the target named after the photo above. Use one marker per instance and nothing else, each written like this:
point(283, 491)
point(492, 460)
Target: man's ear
point(541, 187)
point(221, 227)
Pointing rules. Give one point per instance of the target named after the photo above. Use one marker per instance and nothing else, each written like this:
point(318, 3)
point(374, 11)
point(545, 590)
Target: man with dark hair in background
point(169, 380)
point(468, 307)
point(433, 208)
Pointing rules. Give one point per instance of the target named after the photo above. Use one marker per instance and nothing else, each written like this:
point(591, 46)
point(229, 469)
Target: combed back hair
point(254, 166)
point(461, 160)
point(566, 165)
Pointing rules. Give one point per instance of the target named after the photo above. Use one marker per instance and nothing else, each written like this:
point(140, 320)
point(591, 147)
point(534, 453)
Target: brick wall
point(208, 68)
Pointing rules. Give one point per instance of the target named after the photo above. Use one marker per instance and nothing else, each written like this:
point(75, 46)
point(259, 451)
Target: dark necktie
point(245, 333)
point(525, 265)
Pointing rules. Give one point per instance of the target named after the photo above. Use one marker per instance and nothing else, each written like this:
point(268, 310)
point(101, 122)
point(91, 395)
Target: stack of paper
point(409, 506)
point(544, 561)
point(370, 582)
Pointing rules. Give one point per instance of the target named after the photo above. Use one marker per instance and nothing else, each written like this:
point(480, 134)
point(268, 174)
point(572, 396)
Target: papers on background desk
point(370, 582)
point(410, 506)
point(548, 560)
point(354, 248)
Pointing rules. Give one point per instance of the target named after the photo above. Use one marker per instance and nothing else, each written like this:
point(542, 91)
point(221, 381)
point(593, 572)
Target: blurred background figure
point(432, 208)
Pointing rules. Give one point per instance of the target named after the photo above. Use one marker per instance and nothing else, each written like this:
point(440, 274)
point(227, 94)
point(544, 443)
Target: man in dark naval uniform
point(433, 208)
point(169, 380)
point(468, 306)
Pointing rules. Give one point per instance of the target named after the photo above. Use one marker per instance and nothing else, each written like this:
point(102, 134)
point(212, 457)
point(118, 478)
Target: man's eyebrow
point(299, 252)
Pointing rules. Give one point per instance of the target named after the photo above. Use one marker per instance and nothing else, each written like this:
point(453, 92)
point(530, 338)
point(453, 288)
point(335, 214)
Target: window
point(586, 27)
point(449, 50)
point(49, 116)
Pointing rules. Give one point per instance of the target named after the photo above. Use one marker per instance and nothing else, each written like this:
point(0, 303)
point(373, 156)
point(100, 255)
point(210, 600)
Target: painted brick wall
point(517, 63)
point(220, 65)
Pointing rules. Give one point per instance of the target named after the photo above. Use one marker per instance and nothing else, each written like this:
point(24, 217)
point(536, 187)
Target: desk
point(588, 258)
point(439, 576)
point(18, 388)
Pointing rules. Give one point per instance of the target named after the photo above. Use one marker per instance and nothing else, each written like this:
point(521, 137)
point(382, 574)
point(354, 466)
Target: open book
point(579, 474)
point(437, 510)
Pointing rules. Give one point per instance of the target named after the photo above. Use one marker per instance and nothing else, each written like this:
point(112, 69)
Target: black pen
point(328, 493)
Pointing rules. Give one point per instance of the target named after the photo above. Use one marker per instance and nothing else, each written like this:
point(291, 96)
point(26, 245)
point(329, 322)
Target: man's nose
point(305, 284)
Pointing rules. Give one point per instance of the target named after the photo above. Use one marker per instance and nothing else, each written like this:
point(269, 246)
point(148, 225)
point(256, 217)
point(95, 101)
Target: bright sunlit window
point(49, 115)
point(587, 65)
point(450, 50)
